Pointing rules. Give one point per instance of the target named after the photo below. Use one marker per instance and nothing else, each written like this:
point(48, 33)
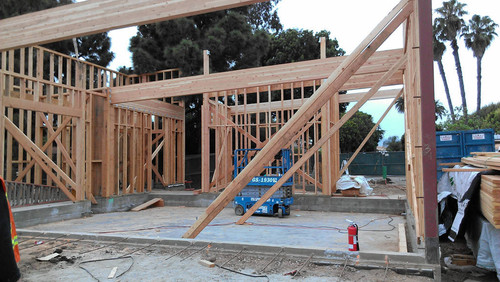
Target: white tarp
point(358, 182)
point(456, 184)
point(484, 240)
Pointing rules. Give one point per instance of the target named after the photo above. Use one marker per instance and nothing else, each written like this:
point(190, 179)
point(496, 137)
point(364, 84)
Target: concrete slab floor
point(306, 229)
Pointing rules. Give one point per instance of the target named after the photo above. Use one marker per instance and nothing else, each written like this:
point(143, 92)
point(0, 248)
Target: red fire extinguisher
point(352, 233)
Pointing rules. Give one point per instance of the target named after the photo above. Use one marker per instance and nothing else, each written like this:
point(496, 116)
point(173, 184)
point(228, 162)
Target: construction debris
point(156, 202)
point(206, 263)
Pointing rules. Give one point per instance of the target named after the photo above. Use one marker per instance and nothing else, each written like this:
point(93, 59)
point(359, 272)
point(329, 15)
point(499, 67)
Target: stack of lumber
point(490, 160)
point(490, 198)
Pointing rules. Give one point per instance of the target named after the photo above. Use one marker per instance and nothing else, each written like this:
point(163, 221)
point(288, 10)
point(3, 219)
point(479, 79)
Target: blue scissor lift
point(279, 203)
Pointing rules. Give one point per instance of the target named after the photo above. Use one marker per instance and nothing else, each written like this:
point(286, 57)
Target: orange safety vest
point(13, 233)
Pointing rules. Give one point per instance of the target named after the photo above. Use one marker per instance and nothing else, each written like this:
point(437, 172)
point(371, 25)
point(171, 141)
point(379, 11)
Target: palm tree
point(439, 48)
point(449, 26)
point(478, 36)
point(439, 109)
point(400, 105)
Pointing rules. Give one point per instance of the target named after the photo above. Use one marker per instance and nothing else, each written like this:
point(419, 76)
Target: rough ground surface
point(154, 263)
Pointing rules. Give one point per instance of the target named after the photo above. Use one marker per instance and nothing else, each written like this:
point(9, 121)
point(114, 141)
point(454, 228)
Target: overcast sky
point(350, 22)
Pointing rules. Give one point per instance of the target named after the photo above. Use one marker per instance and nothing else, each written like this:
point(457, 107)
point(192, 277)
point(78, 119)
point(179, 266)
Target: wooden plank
point(495, 179)
point(403, 246)
point(329, 88)
point(262, 76)
point(17, 103)
point(94, 16)
point(206, 263)
point(156, 202)
point(451, 164)
point(155, 107)
point(464, 169)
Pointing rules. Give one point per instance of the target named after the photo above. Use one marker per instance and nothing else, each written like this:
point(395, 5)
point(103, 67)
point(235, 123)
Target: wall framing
point(32, 99)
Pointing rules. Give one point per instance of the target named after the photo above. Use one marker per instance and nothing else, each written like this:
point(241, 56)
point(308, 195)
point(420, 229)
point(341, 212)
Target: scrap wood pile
point(490, 160)
point(490, 198)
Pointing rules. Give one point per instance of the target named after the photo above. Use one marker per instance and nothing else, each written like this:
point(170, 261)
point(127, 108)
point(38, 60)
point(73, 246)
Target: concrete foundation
point(345, 204)
point(48, 213)
point(120, 203)
point(317, 226)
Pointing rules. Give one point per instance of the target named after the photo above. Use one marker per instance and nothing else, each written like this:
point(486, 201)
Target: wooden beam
point(329, 88)
point(365, 77)
point(17, 103)
point(155, 107)
point(94, 16)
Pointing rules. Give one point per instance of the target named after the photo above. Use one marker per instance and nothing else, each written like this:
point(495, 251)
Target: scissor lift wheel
point(238, 210)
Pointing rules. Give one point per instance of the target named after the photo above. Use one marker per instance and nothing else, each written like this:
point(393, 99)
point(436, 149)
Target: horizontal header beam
point(94, 16)
point(368, 74)
point(297, 103)
point(155, 107)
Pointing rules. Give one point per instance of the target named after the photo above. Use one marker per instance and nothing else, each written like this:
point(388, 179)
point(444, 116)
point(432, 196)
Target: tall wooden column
point(205, 131)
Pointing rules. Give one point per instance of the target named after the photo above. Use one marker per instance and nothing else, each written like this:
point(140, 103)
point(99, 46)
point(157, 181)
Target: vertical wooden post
point(334, 144)
point(424, 12)
point(322, 43)
point(80, 135)
point(2, 116)
point(38, 123)
point(326, 151)
point(110, 146)
point(149, 152)
point(10, 115)
point(205, 131)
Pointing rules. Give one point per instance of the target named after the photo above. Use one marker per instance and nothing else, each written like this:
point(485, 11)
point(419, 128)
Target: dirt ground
point(164, 263)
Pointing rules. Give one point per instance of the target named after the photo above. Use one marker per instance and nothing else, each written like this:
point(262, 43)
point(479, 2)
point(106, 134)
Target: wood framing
point(262, 76)
point(327, 90)
point(94, 16)
point(62, 131)
point(91, 131)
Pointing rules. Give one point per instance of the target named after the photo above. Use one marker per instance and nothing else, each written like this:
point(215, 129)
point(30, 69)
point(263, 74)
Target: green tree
point(438, 50)
point(237, 38)
point(294, 45)
point(449, 25)
point(355, 130)
point(478, 36)
point(93, 48)
point(487, 117)
point(393, 144)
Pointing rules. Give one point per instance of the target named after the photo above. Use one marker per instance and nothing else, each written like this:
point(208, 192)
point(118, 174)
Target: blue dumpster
point(452, 146)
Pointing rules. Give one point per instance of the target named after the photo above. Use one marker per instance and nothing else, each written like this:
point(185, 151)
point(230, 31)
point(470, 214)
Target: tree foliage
point(355, 130)
point(394, 144)
point(487, 117)
point(448, 26)
point(239, 38)
point(478, 36)
point(93, 48)
point(236, 38)
point(293, 45)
